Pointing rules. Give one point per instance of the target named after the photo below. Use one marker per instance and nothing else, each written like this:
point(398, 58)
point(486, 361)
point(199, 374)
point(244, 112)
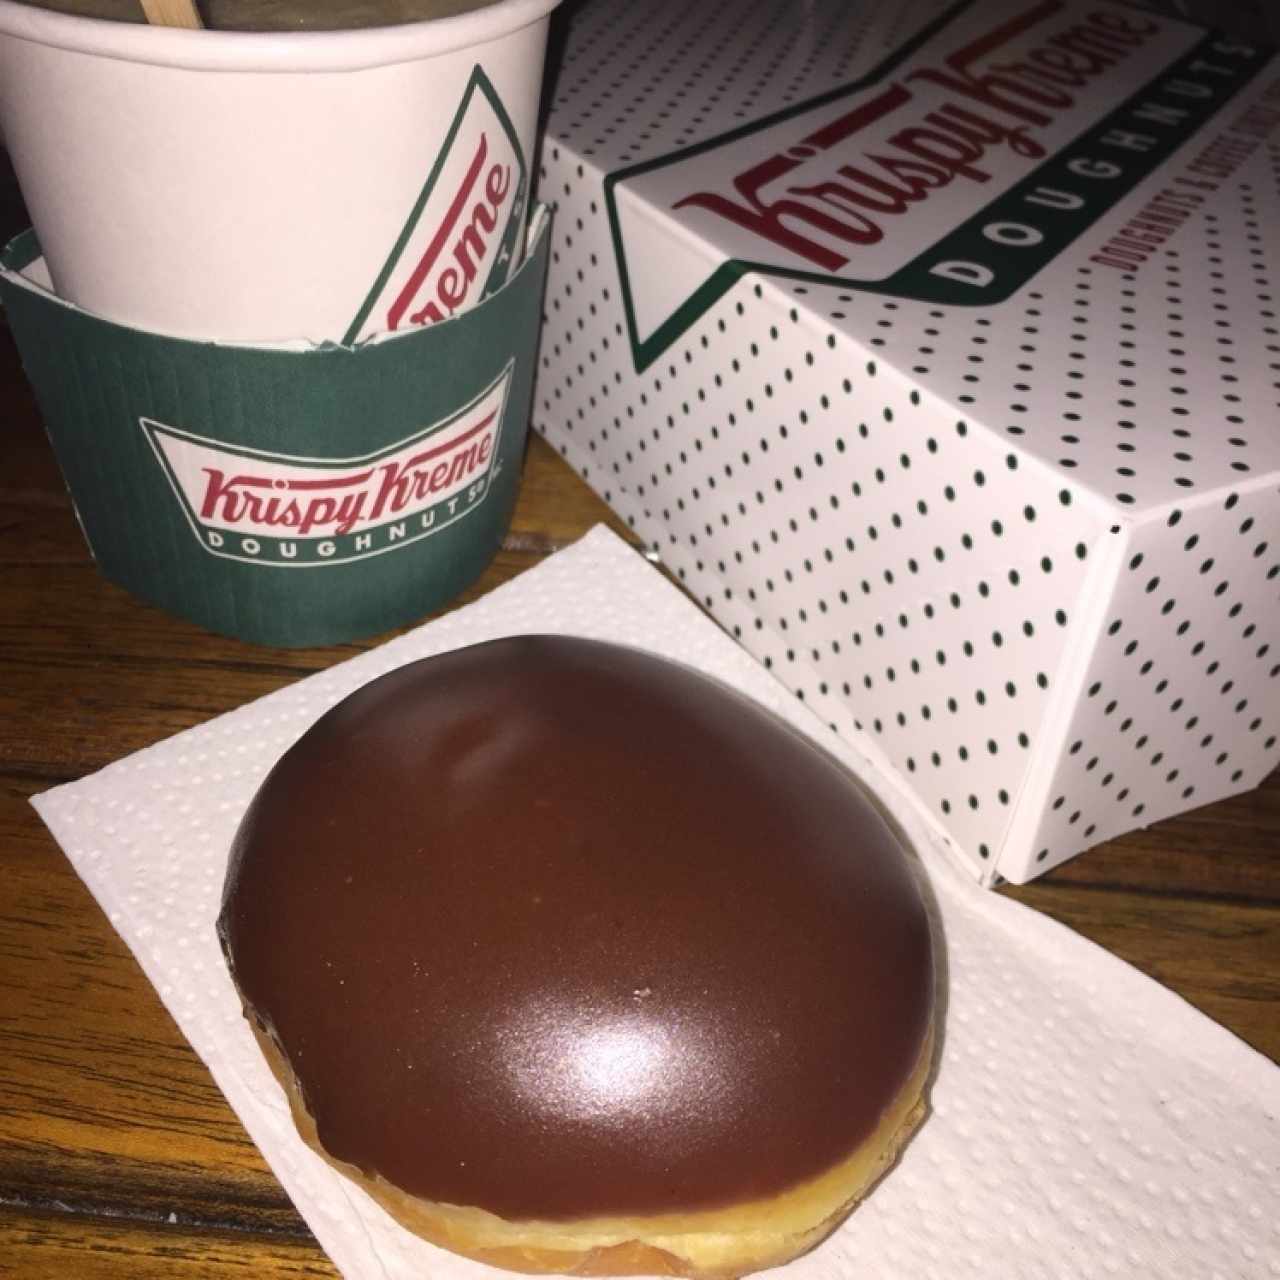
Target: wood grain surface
point(118, 1156)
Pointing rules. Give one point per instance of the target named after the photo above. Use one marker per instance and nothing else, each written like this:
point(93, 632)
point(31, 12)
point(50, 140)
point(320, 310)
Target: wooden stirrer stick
point(172, 13)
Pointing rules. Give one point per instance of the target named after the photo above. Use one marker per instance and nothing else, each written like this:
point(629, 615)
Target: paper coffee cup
point(286, 497)
point(263, 187)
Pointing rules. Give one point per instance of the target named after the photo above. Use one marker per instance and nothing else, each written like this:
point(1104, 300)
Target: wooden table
point(118, 1156)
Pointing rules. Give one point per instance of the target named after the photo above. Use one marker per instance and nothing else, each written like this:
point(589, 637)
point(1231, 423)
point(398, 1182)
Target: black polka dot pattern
point(718, 64)
point(1030, 552)
point(1181, 702)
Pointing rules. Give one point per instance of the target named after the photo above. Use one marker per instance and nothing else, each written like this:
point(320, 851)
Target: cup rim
point(268, 51)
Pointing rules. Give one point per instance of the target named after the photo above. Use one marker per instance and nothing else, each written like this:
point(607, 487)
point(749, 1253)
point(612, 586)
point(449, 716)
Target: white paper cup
point(267, 187)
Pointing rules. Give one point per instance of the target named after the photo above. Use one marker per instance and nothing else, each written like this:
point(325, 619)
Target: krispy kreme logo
point(460, 240)
point(950, 174)
point(952, 121)
point(283, 510)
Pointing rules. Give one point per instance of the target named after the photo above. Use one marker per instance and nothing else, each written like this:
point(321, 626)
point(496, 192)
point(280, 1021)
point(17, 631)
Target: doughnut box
point(934, 348)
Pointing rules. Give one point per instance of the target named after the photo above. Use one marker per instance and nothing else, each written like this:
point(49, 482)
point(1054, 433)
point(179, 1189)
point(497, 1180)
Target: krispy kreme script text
point(850, 187)
point(281, 509)
point(338, 504)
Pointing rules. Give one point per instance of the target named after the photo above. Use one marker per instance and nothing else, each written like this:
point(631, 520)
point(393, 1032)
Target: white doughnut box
point(934, 348)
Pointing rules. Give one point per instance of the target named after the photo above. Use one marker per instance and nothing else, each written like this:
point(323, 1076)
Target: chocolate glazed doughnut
point(579, 961)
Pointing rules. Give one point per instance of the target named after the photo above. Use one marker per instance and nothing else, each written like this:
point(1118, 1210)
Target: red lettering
point(782, 220)
point(443, 232)
point(947, 152)
point(227, 493)
point(816, 220)
point(400, 480)
point(451, 288)
point(497, 184)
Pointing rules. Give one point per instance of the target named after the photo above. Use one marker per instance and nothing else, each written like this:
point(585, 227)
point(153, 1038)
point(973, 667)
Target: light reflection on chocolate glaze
point(556, 928)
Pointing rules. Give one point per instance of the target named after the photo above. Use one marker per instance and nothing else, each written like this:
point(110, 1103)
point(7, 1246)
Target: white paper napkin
point(1085, 1121)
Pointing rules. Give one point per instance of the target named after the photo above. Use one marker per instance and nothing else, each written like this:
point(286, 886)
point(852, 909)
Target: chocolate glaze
point(558, 929)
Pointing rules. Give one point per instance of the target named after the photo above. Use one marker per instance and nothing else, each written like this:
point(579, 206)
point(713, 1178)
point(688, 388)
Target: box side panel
point(909, 573)
point(1181, 704)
